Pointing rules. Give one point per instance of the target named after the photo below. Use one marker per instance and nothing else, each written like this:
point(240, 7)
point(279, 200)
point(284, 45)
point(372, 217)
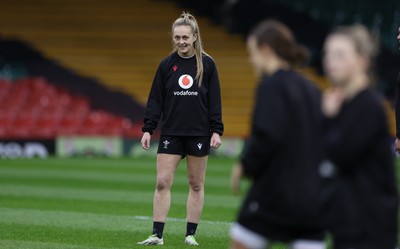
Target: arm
point(214, 102)
point(270, 123)
point(155, 103)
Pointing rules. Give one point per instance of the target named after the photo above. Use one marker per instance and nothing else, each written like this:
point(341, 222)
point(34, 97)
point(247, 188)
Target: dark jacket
point(283, 155)
point(364, 209)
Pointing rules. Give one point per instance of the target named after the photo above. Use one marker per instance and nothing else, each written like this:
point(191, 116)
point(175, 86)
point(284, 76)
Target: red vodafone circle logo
point(185, 81)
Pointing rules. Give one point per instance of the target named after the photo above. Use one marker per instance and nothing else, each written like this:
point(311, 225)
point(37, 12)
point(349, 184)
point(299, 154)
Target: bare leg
point(166, 167)
point(196, 176)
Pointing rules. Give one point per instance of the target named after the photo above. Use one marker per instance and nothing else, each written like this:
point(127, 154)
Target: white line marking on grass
point(90, 221)
point(68, 193)
point(183, 220)
point(18, 244)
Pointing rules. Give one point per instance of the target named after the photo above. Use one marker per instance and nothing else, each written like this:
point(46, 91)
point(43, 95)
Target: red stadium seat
point(5, 87)
point(31, 107)
point(5, 122)
point(45, 127)
point(21, 127)
point(68, 125)
point(115, 126)
point(135, 131)
point(94, 123)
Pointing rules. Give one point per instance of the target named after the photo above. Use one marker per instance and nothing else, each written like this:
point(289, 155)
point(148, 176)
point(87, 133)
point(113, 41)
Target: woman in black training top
point(284, 150)
point(185, 95)
point(364, 208)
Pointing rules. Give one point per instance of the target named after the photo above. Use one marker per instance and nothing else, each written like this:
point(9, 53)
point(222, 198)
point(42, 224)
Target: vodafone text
point(186, 93)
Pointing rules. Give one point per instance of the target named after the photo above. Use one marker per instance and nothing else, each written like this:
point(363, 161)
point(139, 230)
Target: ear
point(195, 37)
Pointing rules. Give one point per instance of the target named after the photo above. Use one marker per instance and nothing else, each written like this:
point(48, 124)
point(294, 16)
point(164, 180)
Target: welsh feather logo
point(185, 81)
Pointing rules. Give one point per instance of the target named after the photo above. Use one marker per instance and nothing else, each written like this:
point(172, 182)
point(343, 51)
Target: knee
point(196, 186)
point(163, 184)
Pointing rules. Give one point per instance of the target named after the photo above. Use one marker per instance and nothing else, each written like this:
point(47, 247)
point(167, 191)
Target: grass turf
point(104, 203)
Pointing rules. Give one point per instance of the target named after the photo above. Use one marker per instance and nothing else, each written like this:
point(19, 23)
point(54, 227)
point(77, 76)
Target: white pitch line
point(183, 220)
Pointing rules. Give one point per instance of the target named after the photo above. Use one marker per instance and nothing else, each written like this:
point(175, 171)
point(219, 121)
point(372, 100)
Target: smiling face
point(184, 40)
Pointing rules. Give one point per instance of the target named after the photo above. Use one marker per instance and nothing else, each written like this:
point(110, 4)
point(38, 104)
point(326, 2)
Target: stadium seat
point(32, 108)
point(135, 131)
point(5, 87)
point(78, 106)
point(5, 121)
point(116, 126)
point(21, 127)
point(93, 123)
point(45, 127)
point(68, 125)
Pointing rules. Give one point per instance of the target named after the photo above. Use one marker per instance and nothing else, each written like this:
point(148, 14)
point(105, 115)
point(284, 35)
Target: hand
point(236, 176)
point(146, 140)
point(332, 101)
point(215, 141)
point(397, 145)
point(398, 37)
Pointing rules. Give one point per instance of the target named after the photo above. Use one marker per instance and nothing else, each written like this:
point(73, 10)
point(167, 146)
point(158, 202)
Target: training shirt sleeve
point(214, 101)
point(155, 102)
point(268, 129)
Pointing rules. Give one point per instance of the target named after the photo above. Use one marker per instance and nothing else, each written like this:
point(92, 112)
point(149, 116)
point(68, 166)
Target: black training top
point(185, 108)
point(283, 156)
point(366, 203)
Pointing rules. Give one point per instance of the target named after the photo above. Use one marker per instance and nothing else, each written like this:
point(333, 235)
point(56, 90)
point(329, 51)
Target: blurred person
point(365, 204)
point(284, 150)
point(185, 95)
point(397, 109)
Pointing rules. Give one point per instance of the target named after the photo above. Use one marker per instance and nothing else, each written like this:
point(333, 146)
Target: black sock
point(191, 228)
point(158, 228)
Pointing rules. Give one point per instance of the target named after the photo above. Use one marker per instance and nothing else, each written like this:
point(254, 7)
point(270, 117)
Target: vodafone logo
point(185, 81)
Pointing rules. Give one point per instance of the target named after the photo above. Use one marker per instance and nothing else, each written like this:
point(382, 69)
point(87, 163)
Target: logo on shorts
point(199, 145)
point(185, 81)
point(166, 144)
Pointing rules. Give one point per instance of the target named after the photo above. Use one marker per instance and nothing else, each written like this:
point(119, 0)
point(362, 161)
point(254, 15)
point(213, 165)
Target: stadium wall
point(97, 146)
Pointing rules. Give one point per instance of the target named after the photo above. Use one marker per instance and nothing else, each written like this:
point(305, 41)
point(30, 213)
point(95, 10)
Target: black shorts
point(182, 145)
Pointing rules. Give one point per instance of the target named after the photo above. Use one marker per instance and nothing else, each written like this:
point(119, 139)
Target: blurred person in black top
point(397, 109)
point(365, 204)
point(284, 150)
point(185, 95)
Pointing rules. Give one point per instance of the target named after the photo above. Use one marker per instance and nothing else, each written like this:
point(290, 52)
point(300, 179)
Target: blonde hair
point(187, 19)
point(365, 44)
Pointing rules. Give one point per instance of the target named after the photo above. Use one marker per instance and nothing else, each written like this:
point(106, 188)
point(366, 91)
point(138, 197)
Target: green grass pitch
point(104, 203)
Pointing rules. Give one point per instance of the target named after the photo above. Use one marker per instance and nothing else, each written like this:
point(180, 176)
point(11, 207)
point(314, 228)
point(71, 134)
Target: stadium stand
point(120, 44)
point(33, 108)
